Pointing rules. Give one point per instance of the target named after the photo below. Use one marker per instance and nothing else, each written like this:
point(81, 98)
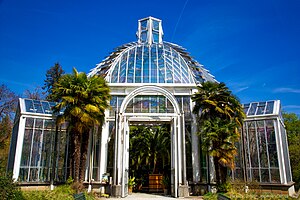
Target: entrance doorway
point(150, 156)
point(171, 114)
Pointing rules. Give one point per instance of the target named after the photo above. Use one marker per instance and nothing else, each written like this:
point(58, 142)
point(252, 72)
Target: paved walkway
point(138, 196)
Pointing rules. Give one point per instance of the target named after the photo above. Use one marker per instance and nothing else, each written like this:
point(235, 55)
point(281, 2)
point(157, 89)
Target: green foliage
point(292, 125)
point(131, 181)
point(224, 187)
point(83, 101)
point(70, 180)
point(8, 189)
point(64, 192)
point(149, 149)
point(52, 76)
point(5, 135)
point(220, 117)
point(165, 181)
point(210, 196)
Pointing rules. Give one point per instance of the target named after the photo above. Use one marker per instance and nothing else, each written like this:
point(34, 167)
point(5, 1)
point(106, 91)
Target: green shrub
point(9, 189)
point(224, 187)
point(64, 192)
point(210, 196)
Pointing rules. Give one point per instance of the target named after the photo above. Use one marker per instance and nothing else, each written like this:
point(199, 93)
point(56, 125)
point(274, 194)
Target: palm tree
point(149, 149)
point(220, 116)
point(83, 101)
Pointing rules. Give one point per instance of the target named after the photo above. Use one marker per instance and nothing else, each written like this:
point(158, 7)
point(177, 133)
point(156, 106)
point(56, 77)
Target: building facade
point(151, 82)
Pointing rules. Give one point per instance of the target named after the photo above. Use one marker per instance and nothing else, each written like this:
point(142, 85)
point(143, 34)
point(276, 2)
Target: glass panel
point(161, 65)
point(153, 64)
point(155, 37)
point(123, 64)
point(137, 104)
point(255, 175)
point(29, 106)
point(261, 108)
point(271, 143)
point(130, 66)
point(33, 177)
point(114, 75)
point(29, 123)
point(270, 107)
point(129, 108)
point(162, 104)
point(185, 72)
point(253, 144)
point(252, 109)
point(154, 104)
point(35, 154)
point(145, 104)
point(23, 174)
point(265, 176)
point(46, 107)
point(275, 177)
point(138, 67)
point(38, 123)
point(144, 24)
point(120, 101)
point(155, 25)
point(262, 144)
point(146, 65)
point(26, 148)
point(246, 107)
point(144, 36)
point(38, 106)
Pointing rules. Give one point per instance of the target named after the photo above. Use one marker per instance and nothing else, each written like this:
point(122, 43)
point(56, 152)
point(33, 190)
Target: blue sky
point(251, 45)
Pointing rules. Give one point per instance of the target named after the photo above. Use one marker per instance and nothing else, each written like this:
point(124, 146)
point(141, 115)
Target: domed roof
point(151, 60)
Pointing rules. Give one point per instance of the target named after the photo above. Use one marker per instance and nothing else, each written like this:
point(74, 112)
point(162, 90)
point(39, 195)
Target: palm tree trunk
point(217, 170)
point(84, 149)
point(70, 156)
point(76, 154)
point(223, 171)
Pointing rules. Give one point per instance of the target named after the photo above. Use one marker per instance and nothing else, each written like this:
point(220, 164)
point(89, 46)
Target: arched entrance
point(121, 157)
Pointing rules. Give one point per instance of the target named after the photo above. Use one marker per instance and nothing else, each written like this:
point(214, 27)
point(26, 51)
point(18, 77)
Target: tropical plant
point(82, 102)
point(149, 151)
point(220, 116)
point(165, 181)
point(131, 181)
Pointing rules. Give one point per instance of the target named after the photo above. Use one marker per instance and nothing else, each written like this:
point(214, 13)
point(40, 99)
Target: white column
point(183, 149)
point(175, 147)
point(280, 154)
point(119, 157)
point(195, 151)
point(104, 147)
point(179, 149)
point(19, 148)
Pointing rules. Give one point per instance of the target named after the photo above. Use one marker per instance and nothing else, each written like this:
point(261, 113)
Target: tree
point(36, 94)
point(8, 101)
point(8, 104)
point(52, 76)
point(220, 117)
point(149, 149)
point(292, 125)
point(83, 101)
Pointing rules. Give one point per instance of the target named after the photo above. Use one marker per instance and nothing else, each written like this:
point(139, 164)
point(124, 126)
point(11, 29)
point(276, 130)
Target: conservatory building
point(151, 84)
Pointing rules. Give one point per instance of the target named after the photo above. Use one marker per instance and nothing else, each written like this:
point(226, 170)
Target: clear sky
point(251, 45)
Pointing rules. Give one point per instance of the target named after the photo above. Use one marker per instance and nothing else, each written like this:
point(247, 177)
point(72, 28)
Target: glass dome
point(151, 60)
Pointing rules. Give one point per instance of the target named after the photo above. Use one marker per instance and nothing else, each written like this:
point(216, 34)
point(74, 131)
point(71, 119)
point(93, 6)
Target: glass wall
point(38, 151)
point(261, 152)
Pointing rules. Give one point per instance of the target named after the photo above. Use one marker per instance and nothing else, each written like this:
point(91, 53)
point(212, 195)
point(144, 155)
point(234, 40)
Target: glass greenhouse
point(151, 83)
